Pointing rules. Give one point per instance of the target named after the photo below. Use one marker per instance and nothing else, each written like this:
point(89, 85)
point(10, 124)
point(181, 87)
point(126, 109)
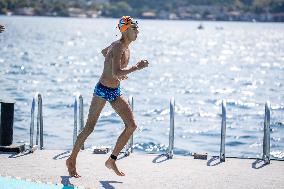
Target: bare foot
point(72, 168)
point(110, 163)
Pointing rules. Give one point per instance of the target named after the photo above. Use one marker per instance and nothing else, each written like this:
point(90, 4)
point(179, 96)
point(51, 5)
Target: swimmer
point(107, 89)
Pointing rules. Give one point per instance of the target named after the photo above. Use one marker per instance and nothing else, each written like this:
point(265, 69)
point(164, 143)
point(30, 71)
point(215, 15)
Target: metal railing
point(78, 114)
point(169, 154)
point(129, 148)
point(266, 134)
point(39, 133)
point(170, 151)
point(223, 132)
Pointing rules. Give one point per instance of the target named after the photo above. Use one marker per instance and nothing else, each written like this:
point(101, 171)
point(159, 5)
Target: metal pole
point(266, 137)
point(40, 120)
point(130, 142)
point(172, 131)
point(75, 122)
point(81, 116)
point(39, 132)
point(223, 132)
point(32, 123)
point(37, 120)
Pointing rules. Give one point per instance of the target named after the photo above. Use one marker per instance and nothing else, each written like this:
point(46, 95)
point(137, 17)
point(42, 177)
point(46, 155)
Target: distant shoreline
point(102, 17)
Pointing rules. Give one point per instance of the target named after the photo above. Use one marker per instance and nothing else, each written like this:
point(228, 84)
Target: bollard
point(6, 124)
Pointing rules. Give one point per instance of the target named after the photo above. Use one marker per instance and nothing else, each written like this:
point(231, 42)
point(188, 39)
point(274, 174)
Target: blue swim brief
point(107, 93)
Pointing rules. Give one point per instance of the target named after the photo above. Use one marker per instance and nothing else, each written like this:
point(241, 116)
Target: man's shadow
point(107, 184)
point(68, 185)
point(66, 182)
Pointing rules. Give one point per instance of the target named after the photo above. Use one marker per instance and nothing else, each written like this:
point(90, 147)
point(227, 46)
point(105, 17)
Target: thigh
point(96, 107)
point(122, 108)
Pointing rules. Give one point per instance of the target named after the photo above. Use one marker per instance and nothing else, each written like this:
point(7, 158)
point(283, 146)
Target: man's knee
point(93, 113)
point(131, 127)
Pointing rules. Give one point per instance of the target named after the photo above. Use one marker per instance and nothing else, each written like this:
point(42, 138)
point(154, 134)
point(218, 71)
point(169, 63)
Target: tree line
point(116, 8)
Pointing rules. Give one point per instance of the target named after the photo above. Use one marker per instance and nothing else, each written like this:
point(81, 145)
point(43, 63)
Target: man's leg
point(96, 107)
point(123, 109)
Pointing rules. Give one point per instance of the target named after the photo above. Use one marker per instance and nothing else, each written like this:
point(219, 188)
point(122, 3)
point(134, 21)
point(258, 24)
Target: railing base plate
point(18, 148)
point(200, 156)
point(101, 150)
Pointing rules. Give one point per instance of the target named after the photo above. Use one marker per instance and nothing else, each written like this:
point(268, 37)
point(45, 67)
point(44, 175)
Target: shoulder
point(117, 45)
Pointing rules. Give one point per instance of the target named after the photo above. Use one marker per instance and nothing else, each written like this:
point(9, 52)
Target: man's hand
point(2, 28)
point(142, 64)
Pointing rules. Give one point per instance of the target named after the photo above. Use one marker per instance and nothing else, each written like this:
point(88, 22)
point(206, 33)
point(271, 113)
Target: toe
point(120, 173)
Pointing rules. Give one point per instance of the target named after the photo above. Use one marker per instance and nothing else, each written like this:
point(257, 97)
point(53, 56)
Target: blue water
point(242, 63)
point(12, 183)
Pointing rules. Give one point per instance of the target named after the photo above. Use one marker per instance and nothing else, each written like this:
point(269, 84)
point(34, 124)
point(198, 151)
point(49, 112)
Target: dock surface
point(144, 171)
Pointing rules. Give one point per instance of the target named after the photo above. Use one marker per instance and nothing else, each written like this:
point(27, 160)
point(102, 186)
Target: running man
point(2, 28)
point(108, 89)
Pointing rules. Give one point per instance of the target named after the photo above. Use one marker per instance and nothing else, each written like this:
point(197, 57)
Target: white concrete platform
point(144, 171)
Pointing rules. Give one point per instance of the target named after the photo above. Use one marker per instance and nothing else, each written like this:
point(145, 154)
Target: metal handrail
point(81, 117)
point(170, 152)
point(129, 147)
point(223, 132)
point(266, 136)
point(39, 123)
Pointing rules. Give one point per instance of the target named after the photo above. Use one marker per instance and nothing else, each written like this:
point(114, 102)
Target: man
point(2, 28)
point(108, 89)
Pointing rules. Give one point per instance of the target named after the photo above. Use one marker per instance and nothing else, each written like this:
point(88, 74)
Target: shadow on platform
point(16, 155)
point(58, 156)
point(163, 158)
point(215, 160)
point(107, 184)
point(259, 163)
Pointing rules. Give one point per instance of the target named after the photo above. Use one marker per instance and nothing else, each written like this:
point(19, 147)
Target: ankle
point(113, 157)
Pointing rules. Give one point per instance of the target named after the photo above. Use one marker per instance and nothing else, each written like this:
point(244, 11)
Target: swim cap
point(125, 22)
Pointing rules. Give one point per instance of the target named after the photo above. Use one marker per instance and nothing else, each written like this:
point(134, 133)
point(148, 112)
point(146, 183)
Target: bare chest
point(125, 58)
